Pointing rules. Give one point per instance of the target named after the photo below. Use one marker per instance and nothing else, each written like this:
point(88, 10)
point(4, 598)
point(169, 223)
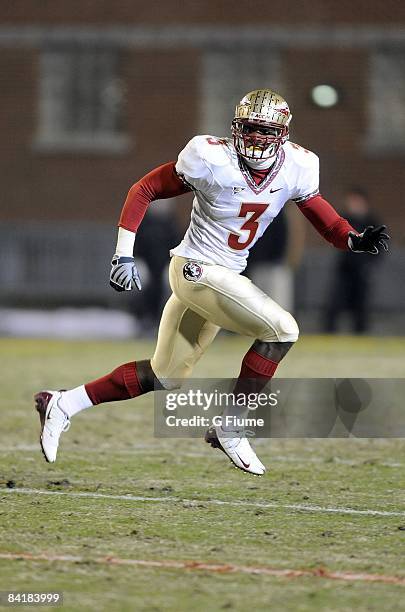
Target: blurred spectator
point(159, 233)
point(274, 257)
point(350, 277)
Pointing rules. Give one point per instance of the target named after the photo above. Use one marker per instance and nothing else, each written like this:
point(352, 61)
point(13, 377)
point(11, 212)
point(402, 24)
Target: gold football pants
point(205, 298)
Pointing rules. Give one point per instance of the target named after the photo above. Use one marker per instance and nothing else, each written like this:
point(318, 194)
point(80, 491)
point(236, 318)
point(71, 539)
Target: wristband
point(125, 243)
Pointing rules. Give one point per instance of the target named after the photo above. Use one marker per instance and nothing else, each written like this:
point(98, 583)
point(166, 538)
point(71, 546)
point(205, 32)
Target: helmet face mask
point(255, 141)
point(260, 125)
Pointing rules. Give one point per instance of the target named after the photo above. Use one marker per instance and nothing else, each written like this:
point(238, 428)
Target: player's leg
point(183, 337)
point(358, 302)
point(56, 408)
point(233, 302)
point(337, 302)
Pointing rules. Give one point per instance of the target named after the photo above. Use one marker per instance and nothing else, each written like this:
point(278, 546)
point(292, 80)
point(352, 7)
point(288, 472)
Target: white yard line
point(208, 502)
point(157, 450)
point(220, 568)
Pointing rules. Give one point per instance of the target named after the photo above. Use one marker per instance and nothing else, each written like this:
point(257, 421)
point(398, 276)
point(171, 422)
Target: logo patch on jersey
point(236, 190)
point(192, 271)
point(274, 190)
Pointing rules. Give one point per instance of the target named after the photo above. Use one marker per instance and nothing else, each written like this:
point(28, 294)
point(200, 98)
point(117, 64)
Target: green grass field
point(325, 506)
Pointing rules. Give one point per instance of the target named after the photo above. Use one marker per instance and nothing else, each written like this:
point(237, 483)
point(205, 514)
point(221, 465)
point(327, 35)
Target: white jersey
point(230, 212)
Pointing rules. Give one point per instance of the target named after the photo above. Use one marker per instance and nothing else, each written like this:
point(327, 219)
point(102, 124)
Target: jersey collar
point(272, 173)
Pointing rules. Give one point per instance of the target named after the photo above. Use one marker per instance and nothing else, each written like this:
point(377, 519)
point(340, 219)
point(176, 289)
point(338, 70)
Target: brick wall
point(338, 135)
point(196, 11)
point(162, 107)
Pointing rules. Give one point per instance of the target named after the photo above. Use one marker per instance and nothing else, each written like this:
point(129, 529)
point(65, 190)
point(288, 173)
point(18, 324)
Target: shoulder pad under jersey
point(201, 153)
point(303, 172)
point(300, 156)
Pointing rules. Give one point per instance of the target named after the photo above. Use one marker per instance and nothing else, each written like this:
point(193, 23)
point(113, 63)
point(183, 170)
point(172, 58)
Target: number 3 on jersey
point(250, 225)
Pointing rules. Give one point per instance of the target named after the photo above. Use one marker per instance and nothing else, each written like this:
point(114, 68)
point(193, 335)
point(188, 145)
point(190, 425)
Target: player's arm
point(334, 228)
point(327, 222)
point(338, 231)
point(159, 184)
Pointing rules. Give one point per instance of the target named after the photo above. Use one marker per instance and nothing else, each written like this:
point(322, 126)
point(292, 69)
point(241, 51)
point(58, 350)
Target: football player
point(240, 184)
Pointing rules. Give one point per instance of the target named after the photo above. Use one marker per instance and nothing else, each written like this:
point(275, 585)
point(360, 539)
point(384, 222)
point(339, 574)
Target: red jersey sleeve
point(159, 184)
point(334, 228)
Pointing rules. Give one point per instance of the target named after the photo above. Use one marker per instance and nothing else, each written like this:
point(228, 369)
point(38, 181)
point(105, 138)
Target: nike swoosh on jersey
point(274, 190)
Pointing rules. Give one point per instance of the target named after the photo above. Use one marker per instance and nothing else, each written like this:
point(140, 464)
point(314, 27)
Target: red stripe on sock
point(255, 372)
point(131, 379)
point(120, 384)
point(255, 365)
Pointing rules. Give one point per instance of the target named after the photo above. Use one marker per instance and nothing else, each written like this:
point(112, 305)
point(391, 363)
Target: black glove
point(124, 274)
point(371, 240)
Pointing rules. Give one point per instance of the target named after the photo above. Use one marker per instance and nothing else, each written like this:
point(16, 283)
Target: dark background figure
point(351, 275)
point(272, 246)
point(159, 233)
point(276, 256)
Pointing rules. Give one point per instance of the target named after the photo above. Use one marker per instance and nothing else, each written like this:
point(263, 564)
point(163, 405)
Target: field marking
point(218, 568)
point(153, 450)
point(212, 502)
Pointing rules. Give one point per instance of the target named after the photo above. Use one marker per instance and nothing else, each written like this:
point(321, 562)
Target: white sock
point(74, 401)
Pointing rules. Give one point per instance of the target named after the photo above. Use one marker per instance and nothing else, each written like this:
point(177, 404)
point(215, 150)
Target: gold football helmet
point(260, 125)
